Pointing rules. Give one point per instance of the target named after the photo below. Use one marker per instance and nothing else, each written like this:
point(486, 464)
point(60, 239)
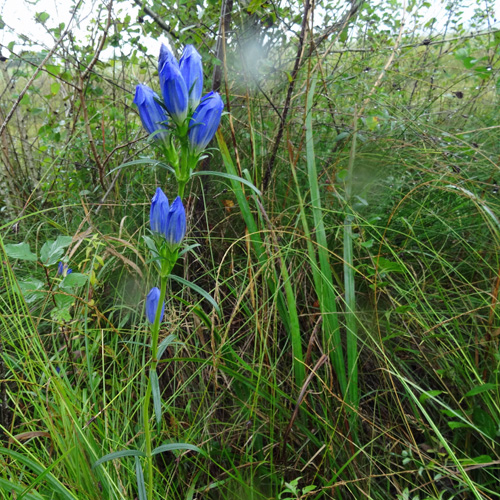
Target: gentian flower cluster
point(183, 112)
point(183, 122)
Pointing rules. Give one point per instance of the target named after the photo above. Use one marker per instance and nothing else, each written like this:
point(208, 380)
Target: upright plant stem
point(155, 331)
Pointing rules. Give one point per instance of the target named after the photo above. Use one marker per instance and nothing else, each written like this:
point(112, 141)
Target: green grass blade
point(118, 454)
point(231, 177)
point(324, 286)
point(288, 312)
point(42, 471)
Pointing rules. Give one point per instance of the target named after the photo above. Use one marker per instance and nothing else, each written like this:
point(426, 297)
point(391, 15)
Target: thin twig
point(293, 76)
point(157, 19)
point(39, 68)
point(83, 77)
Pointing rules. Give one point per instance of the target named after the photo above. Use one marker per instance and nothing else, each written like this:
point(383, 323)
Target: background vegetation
point(355, 353)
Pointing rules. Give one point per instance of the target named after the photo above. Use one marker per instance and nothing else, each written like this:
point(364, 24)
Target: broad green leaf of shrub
point(52, 251)
point(29, 289)
point(20, 251)
point(73, 280)
point(64, 301)
point(41, 17)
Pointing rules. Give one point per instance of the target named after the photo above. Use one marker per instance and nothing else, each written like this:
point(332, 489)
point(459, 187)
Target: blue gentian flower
point(153, 116)
point(173, 86)
point(192, 71)
point(159, 211)
point(152, 305)
point(168, 220)
point(175, 227)
point(205, 121)
point(63, 269)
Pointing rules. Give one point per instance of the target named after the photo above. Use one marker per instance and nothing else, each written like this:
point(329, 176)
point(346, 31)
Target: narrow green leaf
point(481, 459)
point(118, 454)
point(139, 474)
point(188, 249)
point(164, 344)
point(151, 244)
point(481, 388)
point(9, 486)
point(428, 394)
point(387, 266)
point(323, 280)
point(197, 289)
point(20, 251)
point(155, 390)
point(55, 484)
point(174, 447)
point(145, 161)
point(228, 176)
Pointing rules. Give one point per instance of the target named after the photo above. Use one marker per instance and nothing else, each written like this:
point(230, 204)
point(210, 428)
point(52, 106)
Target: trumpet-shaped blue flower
point(205, 121)
point(192, 72)
point(159, 211)
point(153, 116)
point(173, 86)
point(152, 305)
point(168, 220)
point(63, 269)
point(175, 227)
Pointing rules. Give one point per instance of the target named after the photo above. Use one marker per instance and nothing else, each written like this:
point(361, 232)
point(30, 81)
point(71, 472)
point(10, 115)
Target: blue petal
point(152, 304)
point(154, 118)
point(192, 72)
point(175, 228)
point(159, 211)
point(205, 121)
point(173, 86)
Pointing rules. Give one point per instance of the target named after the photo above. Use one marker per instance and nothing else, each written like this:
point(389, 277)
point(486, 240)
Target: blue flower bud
point(175, 227)
point(63, 269)
point(173, 86)
point(152, 305)
point(192, 72)
point(205, 121)
point(152, 114)
point(159, 211)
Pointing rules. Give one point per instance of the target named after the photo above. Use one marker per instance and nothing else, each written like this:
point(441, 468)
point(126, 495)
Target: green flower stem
point(181, 187)
point(184, 172)
point(155, 332)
